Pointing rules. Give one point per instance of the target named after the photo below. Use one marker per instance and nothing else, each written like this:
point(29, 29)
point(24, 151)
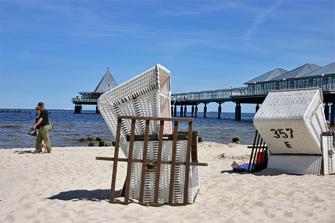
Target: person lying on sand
point(241, 166)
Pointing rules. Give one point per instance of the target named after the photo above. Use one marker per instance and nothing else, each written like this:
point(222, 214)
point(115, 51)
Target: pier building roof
point(328, 69)
point(107, 82)
point(267, 76)
point(297, 72)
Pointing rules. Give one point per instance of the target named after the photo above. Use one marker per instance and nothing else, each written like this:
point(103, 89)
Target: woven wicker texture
point(291, 122)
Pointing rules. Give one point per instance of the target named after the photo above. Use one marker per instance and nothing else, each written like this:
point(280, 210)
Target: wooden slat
point(159, 161)
point(116, 156)
point(255, 153)
point(187, 166)
point(173, 161)
point(151, 162)
point(261, 149)
point(166, 137)
point(194, 153)
point(130, 158)
point(256, 138)
point(144, 165)
point(156, 118)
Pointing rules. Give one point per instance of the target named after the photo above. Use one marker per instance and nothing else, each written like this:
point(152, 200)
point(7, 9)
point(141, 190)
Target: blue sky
point(50, 50)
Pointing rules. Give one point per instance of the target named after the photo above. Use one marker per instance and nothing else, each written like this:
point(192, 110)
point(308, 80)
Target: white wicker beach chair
point(148, 95)
point(292, 123)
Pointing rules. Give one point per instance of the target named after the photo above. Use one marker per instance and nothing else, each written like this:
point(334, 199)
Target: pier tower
point(91, 98)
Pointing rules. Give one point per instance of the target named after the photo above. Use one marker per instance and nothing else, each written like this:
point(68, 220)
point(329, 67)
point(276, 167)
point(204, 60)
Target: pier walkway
point(305, 76)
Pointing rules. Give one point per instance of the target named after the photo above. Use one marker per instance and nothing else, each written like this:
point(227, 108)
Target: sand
point(69, 185)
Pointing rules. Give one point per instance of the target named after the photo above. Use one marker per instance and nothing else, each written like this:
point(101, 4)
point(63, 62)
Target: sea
point(70, 129)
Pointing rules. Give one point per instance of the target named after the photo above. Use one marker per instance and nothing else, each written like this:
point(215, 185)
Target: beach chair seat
point(138, 114)
point(293, 126)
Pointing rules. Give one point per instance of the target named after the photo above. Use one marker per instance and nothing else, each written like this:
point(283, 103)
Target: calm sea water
point(70, 127)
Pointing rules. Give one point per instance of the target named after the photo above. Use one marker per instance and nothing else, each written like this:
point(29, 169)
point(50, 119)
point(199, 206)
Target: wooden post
point(219, 110)
point(159, 160)
point(196, 111)
point(185, 111)
point(327, 111)
point(145, 158)
point(175, 111)
point(205, 111)
point(130, 158)
point(116, 156)
point(238, 112)
point(172, 113)
point(173, 162)
point(192, 115)
point(77, 109)
point(181, 111)
point(187, 166)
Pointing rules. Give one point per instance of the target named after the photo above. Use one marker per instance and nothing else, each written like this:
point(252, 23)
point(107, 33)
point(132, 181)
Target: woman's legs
point(42, 146)
point(45, 138)
point(38, 142)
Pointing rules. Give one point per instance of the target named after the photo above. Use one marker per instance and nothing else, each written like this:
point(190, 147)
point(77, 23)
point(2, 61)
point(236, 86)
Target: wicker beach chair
point(158, 155)
point(293, 126)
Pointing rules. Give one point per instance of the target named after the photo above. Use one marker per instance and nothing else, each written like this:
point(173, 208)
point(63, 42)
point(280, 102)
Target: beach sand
point(69, 185)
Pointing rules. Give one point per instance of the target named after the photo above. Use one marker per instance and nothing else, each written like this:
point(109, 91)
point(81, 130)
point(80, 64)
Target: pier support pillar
point(332, 113)
point(327, 111)
point(219, 110)
point(238, 112)
point(205, 111)
point(181, 111)
point(175, 111)
point(97, 110)
point(77, 109)
point(257, 107)
point(192, 111)
point(185, 110)
point(196, 111)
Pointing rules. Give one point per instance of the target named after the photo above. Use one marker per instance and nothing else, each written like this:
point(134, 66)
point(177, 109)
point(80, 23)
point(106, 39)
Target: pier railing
point(258, 89)
point(211, 95)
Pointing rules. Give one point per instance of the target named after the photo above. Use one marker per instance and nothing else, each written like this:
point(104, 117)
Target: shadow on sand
point(89, 195)
point(24, 151)
point(265, 172)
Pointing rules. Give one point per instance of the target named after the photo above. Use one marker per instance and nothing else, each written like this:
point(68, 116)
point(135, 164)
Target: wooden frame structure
point(259, 147)
point(154, 164)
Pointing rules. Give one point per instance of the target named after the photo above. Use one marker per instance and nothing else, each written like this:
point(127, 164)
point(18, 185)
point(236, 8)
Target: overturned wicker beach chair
point(162, 166)
point(293, 126)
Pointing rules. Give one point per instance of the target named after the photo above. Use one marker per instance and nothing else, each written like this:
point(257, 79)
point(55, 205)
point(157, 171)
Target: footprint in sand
point(28, 205)
point(259, 204)
point(9, 218)
point(316, 199)
point(246, 212)
point(288, 214)
point(269, 214)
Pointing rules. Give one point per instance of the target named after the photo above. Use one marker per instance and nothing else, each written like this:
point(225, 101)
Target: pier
point(255, 91)
point(91, 98)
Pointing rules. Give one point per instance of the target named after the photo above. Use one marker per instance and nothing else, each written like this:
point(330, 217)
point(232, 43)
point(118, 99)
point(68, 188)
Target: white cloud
point(258, 20)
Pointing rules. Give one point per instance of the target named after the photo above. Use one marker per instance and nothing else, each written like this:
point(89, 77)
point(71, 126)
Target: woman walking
point(43, 126)
point(42, 145)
